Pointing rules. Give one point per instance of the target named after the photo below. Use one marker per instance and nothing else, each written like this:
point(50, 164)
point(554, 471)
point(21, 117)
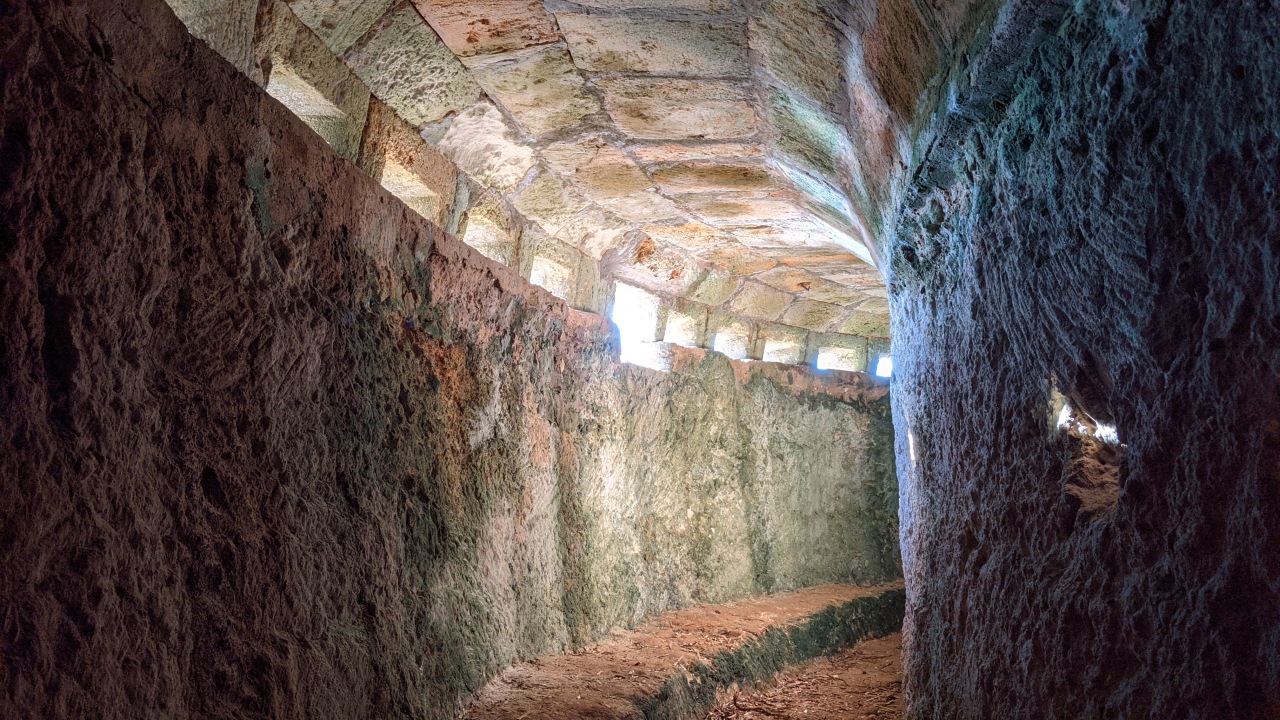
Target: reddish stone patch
point(491, 26)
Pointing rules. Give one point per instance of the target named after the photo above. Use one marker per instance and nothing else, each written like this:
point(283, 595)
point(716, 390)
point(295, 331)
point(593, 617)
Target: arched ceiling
point(728, 152)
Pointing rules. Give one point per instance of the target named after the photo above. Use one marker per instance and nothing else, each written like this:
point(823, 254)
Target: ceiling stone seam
point(537, 169)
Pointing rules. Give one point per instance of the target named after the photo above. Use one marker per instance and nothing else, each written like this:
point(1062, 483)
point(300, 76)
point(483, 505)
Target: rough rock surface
point(274, 446)
point(1098, 217)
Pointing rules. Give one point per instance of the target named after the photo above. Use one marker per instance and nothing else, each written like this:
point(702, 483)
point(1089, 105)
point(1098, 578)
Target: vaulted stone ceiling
point(726, 153)
point(691, 129)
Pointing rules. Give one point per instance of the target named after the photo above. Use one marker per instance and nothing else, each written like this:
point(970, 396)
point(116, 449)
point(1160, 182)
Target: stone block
point(789, 236)
point(405, 164)
point(693, 237)
point(715, 288)
point(808, 136)
point(603, 171)
point(723, 210)
point(565, 157)
point(729, 336)
point(879, 346)
point(700, 177)
point(862, 323)
point(760, 301)
point(646, 206)
point(859, 275)
point(834, 293)
point(591, 292)
point(339, 23)
point(226, 25)
point(410, 188)
point(840, 352)
point(821, 194)
point(686, 326)
point(703, 6)
point(405, 64)
point(593, 231)
point(879, 138)
point(796, 43)
point(539, 87)
point(540, 244)
point(479, 27)
point(814, 259)
point(689, 152)
point(899, 54)
point(649, 45)
point(668, 108)
point(483, 145)
point(490, 228)
point(782, 343)
point(787, 278)
point(812, 315)
point(303, 75)
point(556, 278)
point(874, 305)
point(738, 260)
point(549, 202)
point(662, 269)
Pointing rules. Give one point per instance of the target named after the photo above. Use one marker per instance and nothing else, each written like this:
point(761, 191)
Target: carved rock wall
point(275, 446)
point(1096, 219)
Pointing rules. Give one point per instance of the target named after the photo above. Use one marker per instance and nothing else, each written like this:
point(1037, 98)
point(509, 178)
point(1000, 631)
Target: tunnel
point(697, 359)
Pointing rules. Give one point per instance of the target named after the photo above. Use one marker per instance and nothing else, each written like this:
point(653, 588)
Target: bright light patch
point(412, 191)
point(552, 276)
point(491, 240)
point(635, 312)
point(1064, 417)
point(682, 329)
point(1102, 432)
point(884, 366)
point(299, 95)
point(782, 351)
point(838, 359)
point(1107, 434)
point(309, 104)
point(731, 341)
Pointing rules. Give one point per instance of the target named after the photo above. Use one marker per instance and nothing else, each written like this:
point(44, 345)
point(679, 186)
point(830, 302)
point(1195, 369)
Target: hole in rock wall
point(682, 329)
point(551, 276)
point(884, 366)
point(635, 312)
point(782, 351)
point(308, 103)
point(412, 191)
point(1094, 467)
point(489, 239)
point(833, 358)
point(731, 341)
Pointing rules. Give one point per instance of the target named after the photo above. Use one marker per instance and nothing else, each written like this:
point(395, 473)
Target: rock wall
point(274, 446)
point(1096, 219)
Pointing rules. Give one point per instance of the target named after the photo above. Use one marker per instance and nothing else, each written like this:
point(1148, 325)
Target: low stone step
point(672, 666)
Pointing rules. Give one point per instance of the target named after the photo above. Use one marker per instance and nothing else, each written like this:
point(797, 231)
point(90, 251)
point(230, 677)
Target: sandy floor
point(861, 683)
point(604, 680)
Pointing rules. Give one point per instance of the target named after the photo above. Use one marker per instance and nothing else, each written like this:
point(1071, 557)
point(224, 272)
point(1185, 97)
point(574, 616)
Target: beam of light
point(884, 366)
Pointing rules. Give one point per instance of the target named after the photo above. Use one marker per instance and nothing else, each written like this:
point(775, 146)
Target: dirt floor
point(604, 680)
point(861, 683)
